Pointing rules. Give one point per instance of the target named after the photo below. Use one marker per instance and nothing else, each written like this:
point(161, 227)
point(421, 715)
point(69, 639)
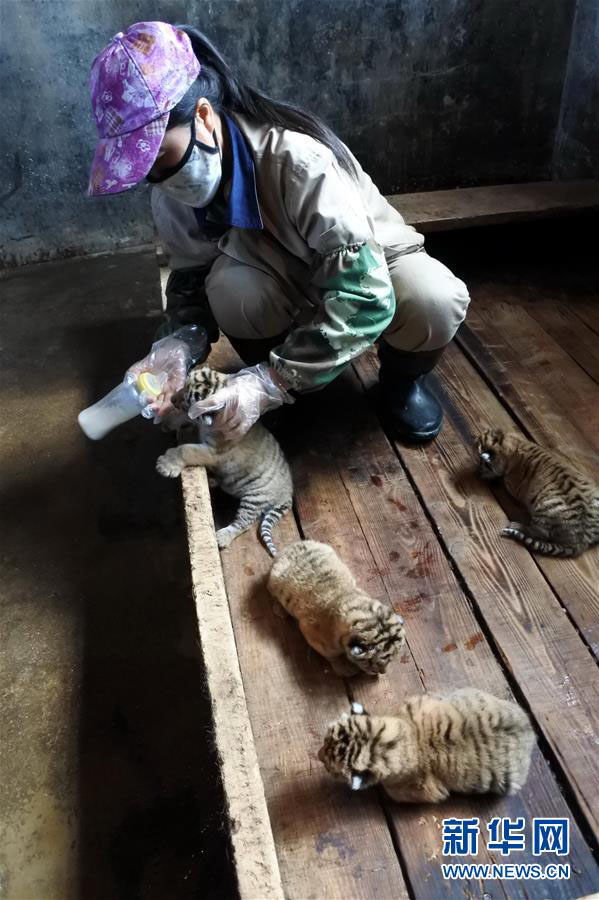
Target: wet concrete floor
point(109, 785)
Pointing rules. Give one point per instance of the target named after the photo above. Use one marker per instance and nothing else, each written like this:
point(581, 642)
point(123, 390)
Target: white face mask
point(196, 179)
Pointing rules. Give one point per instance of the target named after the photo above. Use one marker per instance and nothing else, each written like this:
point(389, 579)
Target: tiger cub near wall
point(254, 469)
point(340, 621)
point(562, 501)
point(467, 742)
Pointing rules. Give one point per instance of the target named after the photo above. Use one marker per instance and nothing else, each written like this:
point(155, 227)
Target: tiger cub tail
point(547, 547)
point(267, 523)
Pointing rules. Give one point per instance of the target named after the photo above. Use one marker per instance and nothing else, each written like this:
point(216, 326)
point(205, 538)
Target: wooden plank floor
point(421, 531)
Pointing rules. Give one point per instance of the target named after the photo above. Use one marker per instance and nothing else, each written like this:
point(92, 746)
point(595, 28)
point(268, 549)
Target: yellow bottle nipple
point(149, 384)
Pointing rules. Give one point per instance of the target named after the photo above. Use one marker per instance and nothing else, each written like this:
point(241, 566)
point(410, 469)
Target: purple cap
point(135, 82)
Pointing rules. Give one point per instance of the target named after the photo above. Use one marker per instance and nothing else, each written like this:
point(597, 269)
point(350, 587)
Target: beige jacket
point(327, 239)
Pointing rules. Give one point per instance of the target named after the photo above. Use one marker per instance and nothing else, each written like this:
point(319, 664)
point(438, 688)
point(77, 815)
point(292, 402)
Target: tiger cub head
point(374, 639)
point(201, 381)
point(363, 750)
point(493, 453)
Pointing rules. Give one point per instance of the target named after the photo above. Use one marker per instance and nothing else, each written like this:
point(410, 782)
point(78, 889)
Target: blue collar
point(243, 210)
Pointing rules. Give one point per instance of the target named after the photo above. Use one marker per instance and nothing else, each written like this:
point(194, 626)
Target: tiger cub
point(254, 469)
point(563, 502)
point(465, 742)
point(339, 620)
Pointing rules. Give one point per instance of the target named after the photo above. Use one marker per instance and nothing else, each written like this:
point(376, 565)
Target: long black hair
point(227, 92)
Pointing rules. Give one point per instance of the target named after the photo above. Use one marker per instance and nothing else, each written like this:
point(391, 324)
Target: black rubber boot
point(187, 304)
point(410, 409)
point(254, 351)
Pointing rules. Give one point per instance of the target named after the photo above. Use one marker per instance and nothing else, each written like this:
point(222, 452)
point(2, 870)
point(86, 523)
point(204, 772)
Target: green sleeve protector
point(358, 302)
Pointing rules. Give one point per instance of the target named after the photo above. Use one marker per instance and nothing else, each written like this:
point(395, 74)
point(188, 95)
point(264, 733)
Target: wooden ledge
point(255, 859)
point(464, 207)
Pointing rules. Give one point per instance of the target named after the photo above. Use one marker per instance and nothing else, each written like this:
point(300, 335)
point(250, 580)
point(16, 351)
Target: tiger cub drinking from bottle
point(254, 469)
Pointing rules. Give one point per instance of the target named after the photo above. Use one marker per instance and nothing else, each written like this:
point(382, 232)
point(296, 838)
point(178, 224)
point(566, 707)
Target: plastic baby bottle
point(124, 402)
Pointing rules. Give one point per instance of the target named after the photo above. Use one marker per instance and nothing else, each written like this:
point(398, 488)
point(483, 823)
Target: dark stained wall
point(427, 93)
point(577, 139)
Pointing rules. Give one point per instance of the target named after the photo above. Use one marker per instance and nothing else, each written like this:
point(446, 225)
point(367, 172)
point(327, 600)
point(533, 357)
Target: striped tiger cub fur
point(254, 469)
point(341, 622)
point(563, 502)
point(467, 742)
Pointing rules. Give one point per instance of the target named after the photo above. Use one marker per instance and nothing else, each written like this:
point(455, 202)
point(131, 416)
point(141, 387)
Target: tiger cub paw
point(223, 538)
point(169, 465)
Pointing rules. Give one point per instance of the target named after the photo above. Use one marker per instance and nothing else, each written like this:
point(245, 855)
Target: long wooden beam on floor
point(494, 205)
point(254, 853)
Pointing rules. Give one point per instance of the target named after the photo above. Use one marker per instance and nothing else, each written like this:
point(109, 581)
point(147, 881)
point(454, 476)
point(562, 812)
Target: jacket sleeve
point(357, 300)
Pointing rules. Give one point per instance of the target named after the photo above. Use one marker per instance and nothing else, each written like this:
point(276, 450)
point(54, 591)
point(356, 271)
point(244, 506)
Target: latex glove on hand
point(170, 357)
point(238, 405)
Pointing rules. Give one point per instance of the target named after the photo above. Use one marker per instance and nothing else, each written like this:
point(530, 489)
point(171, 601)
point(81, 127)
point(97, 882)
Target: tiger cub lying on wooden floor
point(465, 742)
point(563, 502)
point(340, 621)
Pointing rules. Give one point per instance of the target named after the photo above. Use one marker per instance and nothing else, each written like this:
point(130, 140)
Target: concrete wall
point(577, 139)
point(428, 93)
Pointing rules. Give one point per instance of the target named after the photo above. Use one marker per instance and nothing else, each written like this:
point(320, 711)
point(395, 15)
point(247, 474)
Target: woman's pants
point(251, 305)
